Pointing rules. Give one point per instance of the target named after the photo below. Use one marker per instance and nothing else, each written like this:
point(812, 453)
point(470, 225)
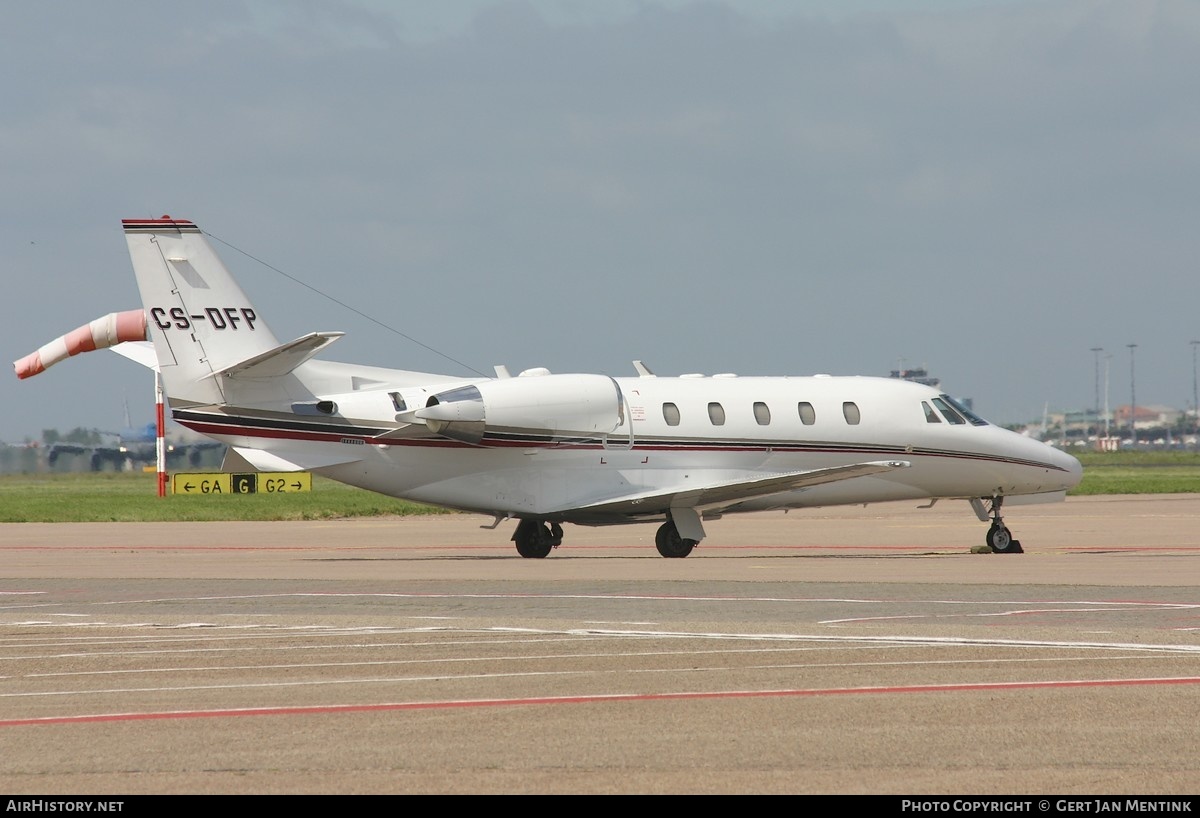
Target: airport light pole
point(1132, 398)
point(1096, 353)
point(1107, 362)
point(1195, 402)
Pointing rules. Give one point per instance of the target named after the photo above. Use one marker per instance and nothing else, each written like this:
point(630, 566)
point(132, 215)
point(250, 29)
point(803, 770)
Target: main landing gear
point(999, 538)
point(670, 543)
point(535, 539)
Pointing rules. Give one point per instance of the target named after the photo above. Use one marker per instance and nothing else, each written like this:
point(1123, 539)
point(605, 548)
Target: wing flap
point(732, 491)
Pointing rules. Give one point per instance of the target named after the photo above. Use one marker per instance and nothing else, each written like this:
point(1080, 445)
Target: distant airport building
point(917, 375)
point(921, 375)
point(1154, 427)
point(1146, 417)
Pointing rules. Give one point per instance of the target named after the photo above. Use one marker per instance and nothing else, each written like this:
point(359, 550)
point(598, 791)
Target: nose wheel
point(999, 538)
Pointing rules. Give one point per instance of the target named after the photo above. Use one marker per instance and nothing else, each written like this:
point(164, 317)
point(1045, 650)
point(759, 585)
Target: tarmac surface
point(848, 651)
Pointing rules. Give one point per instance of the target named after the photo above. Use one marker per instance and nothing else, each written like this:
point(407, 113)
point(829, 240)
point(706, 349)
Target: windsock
point(108, 331)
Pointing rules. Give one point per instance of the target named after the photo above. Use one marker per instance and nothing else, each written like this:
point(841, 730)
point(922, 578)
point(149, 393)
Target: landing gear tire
point(535, 539)
point(1000, 540)
point(670, 544)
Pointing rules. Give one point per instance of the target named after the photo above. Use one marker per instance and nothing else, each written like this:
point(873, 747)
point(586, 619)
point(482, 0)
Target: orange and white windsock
point(112, 329)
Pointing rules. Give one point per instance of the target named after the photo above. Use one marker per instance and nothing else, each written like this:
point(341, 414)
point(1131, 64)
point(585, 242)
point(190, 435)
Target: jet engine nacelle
point(557, 407)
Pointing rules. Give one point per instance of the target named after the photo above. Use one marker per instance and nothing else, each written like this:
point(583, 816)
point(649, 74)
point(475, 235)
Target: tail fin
point(198, 317)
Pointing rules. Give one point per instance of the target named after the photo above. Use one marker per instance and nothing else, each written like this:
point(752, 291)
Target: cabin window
point(808, 415)
point(762, 414)
point(671, 414)
point(398, 401)
point(930, 415)
point(716, 413)
point(950, 415)
point(850, 413)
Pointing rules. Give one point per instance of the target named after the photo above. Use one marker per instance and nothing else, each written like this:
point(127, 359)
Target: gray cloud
point(990, 189)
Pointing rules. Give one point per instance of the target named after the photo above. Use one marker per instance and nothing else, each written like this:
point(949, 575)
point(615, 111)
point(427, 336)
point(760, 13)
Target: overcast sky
point(987, 188)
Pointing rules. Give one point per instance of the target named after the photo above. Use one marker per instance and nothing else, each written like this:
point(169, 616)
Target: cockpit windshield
point(958, 406)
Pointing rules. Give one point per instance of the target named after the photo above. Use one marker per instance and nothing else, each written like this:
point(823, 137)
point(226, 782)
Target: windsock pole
point(160, 441)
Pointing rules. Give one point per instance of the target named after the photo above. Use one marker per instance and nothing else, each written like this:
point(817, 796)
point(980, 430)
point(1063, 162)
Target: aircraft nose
point(1072, 468)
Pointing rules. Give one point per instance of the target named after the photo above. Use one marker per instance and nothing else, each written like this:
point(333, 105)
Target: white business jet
point(547, 449)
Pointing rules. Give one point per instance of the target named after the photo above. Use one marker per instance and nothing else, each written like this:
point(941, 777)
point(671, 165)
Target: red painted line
point(503, 544)
point(251, 548)
point(1128, 549)
point(619, 697)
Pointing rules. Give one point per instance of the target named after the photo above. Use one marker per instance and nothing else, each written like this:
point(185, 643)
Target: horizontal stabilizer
point(282, 359)
point(733, 491)
point(140, 352)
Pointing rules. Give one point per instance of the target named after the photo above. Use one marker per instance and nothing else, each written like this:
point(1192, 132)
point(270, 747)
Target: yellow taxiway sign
point(195, 483)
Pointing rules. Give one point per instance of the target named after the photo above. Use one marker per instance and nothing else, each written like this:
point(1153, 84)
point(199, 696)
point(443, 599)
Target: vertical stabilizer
point(197, 316)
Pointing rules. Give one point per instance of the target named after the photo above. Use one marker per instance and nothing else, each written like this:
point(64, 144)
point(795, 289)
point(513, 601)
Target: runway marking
point(1106, 607)
point(322, 631)
point(925, 640)
point(813, 642)
point(523, 658)
point(259, 633)
point(591, 699)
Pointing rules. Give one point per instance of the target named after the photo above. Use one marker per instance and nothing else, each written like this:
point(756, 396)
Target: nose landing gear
point(999, 538)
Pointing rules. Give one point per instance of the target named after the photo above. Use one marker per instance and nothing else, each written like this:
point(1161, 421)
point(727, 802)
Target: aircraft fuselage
point(647, 434)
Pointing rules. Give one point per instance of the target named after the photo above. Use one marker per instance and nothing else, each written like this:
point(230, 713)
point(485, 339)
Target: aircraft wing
point(732, 491)
point(298, 459)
